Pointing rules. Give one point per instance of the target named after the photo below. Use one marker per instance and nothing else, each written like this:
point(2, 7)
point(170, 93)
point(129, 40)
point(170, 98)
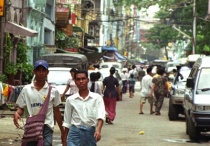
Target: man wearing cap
point(32, 97)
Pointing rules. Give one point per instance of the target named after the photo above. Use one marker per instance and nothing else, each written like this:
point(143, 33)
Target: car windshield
point(58, 77)
point(204, 80)
point(184, 71)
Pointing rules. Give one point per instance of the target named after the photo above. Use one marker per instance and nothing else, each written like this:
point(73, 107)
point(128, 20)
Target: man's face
point(81, 81)
point(40, 73)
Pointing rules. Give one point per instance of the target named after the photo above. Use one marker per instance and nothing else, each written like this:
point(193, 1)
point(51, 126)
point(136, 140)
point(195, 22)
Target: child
point(132, 82)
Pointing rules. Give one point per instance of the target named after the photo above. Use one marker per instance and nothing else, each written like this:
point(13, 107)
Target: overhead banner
point(1, 8)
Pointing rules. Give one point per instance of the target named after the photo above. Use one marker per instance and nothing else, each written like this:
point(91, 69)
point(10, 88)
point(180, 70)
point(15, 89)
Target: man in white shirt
point(32, 97)
point(84, 114)
point(124, 78)
point(146, 90)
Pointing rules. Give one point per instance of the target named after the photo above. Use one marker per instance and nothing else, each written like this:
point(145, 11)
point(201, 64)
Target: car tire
point(193, 132)
point(187, 125)
point(173, 111)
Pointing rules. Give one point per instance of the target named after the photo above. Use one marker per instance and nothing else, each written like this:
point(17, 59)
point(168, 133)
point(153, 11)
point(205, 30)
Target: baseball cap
point(42, 63)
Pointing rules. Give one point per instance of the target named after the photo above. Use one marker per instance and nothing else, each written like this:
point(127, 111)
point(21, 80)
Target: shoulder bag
point(33, 129)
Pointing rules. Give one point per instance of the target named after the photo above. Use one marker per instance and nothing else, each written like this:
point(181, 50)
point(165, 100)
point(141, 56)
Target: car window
point(185, 73)
point(204, 79)
point(58, 77)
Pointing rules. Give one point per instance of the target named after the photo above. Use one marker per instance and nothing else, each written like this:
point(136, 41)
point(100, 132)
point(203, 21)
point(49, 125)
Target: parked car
point(197, 99)
point(176, 93)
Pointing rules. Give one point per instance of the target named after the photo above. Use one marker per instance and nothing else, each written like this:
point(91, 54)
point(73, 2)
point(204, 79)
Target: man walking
point(84, 114)
point(146, 90)
point(33, 96)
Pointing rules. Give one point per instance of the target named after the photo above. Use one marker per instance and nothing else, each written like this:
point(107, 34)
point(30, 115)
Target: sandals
point(141, 113)
point(108, 121)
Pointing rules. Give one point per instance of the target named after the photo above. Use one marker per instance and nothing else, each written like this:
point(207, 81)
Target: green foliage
point(3, 78)
point(63, 41)
point(10, 68)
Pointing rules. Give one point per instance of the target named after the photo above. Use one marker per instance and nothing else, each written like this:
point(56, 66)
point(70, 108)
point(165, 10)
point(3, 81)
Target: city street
point(129, 128)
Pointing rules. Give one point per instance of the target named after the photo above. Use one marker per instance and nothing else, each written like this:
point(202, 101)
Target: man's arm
point(58, 118)
point(17, 116)
point(97, 133)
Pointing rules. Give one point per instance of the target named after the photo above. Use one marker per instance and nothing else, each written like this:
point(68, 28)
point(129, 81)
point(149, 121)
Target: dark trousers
point(124, 86)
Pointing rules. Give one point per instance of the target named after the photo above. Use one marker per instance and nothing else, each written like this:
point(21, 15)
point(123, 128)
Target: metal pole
point(194, 27)
point(1, 43)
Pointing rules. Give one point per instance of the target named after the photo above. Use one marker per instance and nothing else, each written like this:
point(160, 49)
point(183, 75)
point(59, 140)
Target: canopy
point(109, 48)
point(119, 56)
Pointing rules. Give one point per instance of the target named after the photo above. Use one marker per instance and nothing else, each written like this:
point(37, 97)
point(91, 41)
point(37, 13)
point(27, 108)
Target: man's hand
point(97, 135)
point(16, 118)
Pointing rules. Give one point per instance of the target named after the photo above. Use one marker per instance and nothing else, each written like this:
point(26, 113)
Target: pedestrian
point(111, 92)
point(93, 85)
point(146, 90)
point(99, 81)
point(132, 82)
point(71, 84)
point(159, 89)
point(134, 72)
point(32, 97)
point(124, 78)
point(141, 74)
point(84, 115)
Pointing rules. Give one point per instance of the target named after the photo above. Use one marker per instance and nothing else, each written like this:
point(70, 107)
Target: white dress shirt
point(79, 111)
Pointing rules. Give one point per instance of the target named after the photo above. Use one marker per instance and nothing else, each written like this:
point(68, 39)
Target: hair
point(98, 75)
point(149, 70)
point(93, 77)
point(112, 70)
point(133, 66)
point(81, 72)
point(160, 71)
point(131, 75)
point(73, 70)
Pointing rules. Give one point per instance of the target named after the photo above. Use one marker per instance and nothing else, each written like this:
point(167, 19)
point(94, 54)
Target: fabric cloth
point(110, 83)
point(134, 72)
point(146, 86)
point(86, 112)
point(124, 76)
point(34, 99)
point(47, 136)
point(160, 85)
point(73, 86)
point(110, 106)
point(149, 98)
point(81, 136)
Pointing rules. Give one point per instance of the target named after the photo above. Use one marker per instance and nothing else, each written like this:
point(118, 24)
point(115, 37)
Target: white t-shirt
point(34, 99)
point(79, 111)
point(124, 76)
point(146, 86)
point(73, 87)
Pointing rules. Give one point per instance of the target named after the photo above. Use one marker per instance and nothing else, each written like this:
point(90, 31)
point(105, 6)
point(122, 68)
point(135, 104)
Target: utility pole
point(194, 27)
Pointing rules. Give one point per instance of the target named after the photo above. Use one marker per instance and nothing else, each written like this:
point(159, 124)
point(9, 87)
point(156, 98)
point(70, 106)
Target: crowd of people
point(91, 102)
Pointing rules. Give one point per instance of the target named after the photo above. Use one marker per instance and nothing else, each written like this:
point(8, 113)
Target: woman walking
point(111, 93)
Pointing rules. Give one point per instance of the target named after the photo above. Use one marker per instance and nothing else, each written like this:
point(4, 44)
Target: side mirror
point(190, 82)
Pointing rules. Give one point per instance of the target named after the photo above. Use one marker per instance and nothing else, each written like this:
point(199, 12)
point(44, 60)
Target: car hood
point(202, 99)
point(61, 88)
point(181, 85)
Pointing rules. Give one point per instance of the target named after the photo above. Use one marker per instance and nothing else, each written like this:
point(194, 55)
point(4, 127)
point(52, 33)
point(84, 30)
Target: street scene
point(129, 128)
point(138, 69)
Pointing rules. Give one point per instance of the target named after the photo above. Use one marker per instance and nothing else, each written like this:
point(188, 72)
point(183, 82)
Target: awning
point(119, 56)
point(19, 30)
point(77, 29)
point(109, 48)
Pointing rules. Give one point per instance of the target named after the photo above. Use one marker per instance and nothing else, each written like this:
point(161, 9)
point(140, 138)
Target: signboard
point(74, 2)
point(1, 8)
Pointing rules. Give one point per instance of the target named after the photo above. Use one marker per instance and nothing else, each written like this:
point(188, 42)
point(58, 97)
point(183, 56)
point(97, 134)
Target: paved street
point(158, 130)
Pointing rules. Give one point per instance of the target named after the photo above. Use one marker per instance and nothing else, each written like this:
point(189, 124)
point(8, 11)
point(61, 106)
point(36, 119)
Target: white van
point(197, 99)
